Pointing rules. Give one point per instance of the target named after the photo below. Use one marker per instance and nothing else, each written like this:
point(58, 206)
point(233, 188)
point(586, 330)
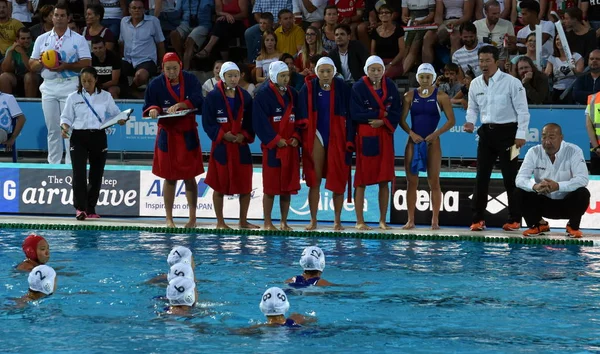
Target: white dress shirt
point(568, 170)
point(502, 101)
point(78, 115)
point(9, 109)
point(72, 48)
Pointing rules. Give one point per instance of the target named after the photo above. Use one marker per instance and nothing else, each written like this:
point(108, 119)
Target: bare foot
point(338, 227)
point(409, 226)
point(311, 226)
point(190, 224)
point(223, 226)
point(285, 227)
point(269, 226)
point(363, 227)
point(384, 226)
point(435, 226)
point(171, 223)
point(247, 225)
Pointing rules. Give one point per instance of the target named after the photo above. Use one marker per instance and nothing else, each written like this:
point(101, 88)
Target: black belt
point(492, 126)
point(88, 130)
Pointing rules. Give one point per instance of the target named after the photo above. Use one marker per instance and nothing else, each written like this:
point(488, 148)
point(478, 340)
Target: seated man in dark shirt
point(108, 66)
point(588, 84)
point(16, 78)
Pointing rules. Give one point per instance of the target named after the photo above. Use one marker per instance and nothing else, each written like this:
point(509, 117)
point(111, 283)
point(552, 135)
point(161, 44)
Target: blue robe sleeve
point(261, 118)
point(151, 96)
point(194, 88)
point(209, 118)
point(345, 97)
point(360, 113)
point(248, 129)
point(395, 110)
point(302, 105)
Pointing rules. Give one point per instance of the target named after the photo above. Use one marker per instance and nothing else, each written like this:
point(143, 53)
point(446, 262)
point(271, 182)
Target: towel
point(419, 160)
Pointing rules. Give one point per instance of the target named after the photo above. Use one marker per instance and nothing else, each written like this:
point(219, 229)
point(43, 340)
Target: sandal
point(202, 54)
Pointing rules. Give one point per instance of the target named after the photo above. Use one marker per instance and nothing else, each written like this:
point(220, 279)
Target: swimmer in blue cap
point(274, 304)
point(313, 263)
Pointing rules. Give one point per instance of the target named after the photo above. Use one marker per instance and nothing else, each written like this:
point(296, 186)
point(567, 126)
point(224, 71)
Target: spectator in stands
point(232, 22)
point(312, 46)
point(142, 43)
point(8, 28)
point(328, 29)
point(466, 56)
point(211, 83)
point(581, 38)
point(562, 72)
point(350, 13)
point(592, 125)
point(21, 11)
point(93, 17)
point(73, 26)
point(387, 42)
point(591, 12)
point(245, 77)
point(107, 65)
point(462, 97)
point(166, 12)
point(504, 9)
point(531, 10)
point(492, 29)
point(516, 13)
point(417, 13)
point(311, 12)
point(450, 14)
point(114, 10)
point(8, 111)
point(534, 81)
point(350, 56)
point(311, 67)
point(196, 23)
point(45, 24)
point(511, 67)
point(268, 55)
point(255, 33)
point(371, 18)
point(588, 84)
point(296, 80)
point(449, 82)
point(16, 74)
point(290, 37)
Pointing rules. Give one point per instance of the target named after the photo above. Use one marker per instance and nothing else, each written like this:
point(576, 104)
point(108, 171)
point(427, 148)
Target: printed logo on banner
point(140, 129)
point(497, 204)
point(49, 191)
point(9, 190)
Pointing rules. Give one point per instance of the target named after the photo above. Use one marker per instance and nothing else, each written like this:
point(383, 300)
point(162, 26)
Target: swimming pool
point(401, 296)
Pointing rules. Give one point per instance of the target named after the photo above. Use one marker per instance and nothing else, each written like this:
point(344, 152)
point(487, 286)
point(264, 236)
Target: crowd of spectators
point(128, 38)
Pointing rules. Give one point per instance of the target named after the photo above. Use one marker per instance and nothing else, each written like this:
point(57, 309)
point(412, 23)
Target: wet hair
point(89, 70)
point(312, 273)
point(97, 9)
point(530, 5)
point(489, 49)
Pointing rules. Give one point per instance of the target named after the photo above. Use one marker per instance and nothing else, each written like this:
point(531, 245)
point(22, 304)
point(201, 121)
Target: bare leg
point(188, 53)
point(205, 53)
point(218, 203)
point(434, 165)
point(411, 57)
point(359, 205)
point(338, 204)
point(267, 210)
point(412, 181)
point(284, 207)
point(31, 85)
point(7, 82)
point(315, 191)
point(428, 43)
point(244, 205)
point(169, 199)
point(191, 194)
point(177, 42)
point(384, 199)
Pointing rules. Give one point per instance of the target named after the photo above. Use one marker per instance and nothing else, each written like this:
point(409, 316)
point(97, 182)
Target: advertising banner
point(9, 190)
point(152, 202)
point(49, 191)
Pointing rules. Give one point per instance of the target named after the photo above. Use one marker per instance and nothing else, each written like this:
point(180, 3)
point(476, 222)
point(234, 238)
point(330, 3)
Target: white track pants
point(54, 95)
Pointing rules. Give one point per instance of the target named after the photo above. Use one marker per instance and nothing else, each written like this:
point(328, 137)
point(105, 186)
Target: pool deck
point(493, 233)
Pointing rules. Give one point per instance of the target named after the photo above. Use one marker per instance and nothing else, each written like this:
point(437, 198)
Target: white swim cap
point(312, 258)
point(373, 59)
point(181, 270)
point(276, 68)
point(180, 292)
point(325, 61)
point(426, 68)
point(227, 66)
point(274, 302)
point(41, 279)
point(180, 254)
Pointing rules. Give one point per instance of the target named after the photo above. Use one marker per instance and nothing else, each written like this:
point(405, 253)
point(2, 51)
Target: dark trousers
point(535, 206)
point(92, 145)
point(495, 141)
point(594, 164)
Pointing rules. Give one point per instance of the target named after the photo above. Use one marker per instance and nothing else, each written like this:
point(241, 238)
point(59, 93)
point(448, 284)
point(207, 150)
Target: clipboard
point(121, 116)
point(514, 152)
point(178, 114)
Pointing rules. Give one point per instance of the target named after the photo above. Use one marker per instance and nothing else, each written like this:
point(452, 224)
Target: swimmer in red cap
point(177, 154)
point(37, 252)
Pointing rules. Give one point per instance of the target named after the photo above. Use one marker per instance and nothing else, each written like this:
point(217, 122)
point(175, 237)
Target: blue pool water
point(399, 297)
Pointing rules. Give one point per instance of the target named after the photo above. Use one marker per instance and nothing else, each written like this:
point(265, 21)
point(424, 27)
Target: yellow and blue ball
point(51, 59)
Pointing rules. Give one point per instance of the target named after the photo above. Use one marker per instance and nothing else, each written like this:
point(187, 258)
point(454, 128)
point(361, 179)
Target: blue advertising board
point(138, 134)
point(9, 190)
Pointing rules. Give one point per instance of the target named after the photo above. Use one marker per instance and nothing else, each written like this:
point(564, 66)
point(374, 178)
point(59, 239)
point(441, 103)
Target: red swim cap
point(30, 246)
point(171, 56)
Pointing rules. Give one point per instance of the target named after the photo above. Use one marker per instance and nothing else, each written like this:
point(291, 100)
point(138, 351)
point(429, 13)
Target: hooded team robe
point(177, 153)
point(230, 164)
point(338, 161)
point(274, 119)
point(375, 147)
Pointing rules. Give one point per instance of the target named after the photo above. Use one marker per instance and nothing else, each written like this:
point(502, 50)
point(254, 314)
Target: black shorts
point(127, 68)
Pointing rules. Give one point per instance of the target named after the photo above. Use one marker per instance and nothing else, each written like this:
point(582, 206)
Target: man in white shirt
point(311, 11)
point(530, 10)
point(492, 29)
point(558, 187)
point(500, 100)
point(9, 111)
point(59, 82)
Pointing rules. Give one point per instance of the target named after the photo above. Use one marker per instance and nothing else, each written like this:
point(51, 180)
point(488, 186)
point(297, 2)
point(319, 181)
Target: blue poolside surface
point(396, 296)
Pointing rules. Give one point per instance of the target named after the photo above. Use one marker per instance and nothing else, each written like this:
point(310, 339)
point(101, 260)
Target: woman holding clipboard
point(86, 110)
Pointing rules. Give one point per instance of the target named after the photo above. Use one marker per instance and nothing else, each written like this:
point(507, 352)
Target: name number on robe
point(221, 119)
point(292, 118)
point(277, 119)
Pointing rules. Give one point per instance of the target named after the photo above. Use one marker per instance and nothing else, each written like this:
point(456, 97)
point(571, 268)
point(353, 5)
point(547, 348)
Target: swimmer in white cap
point(179, 254)
point(423, 150)
point(181, 293)
point(328, 139)
point(376, 108)
point(313, 263)
point(227, 120)
point(274, 121)
point(42, 283)
point(274, 305)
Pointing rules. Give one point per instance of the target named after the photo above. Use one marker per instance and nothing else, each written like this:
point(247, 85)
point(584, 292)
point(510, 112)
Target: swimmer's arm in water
point(290, 280)
point(162, 278)
point(323, 282)
point(301, 319)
